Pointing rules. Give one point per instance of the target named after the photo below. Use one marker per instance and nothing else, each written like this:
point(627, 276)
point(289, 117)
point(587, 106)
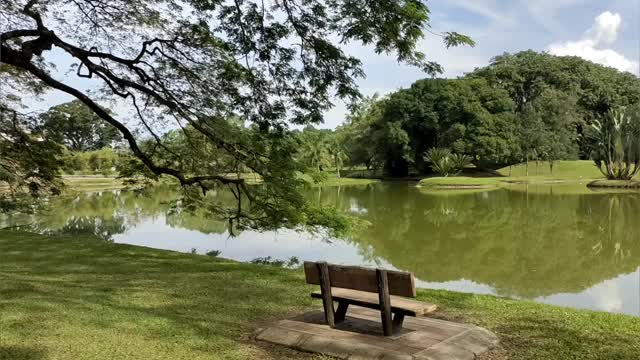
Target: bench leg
point(398, 319)
point(327, 298)
point(341, 312)
point(385, 302)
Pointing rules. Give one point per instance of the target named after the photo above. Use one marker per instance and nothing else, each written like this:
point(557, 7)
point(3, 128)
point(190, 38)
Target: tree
point(615, 144)
point(547, 128)
point(337, 153)
point(314, 146)
point(202, 62)
point(361, 140)
point(465, 115)
point(76, 126)
point(28, 163)
point(595, 89)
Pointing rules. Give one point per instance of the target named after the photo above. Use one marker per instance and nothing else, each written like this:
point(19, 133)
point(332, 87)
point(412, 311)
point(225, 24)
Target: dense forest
point(522, 107)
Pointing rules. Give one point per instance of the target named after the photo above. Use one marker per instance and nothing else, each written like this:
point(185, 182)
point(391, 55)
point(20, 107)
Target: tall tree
point(596, 89)
point(201, 62)
point(78, 127)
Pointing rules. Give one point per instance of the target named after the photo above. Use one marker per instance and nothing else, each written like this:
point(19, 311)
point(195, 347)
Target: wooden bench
point(387, 291)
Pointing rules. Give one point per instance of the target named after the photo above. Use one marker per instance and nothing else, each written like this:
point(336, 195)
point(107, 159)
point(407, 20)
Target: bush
point(214, 253)
point(444, 163)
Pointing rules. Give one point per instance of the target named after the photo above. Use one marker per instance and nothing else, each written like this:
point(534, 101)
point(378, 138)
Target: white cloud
point(606, 27)
point(592, 46)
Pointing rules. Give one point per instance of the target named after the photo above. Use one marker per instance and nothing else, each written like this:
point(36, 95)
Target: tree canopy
point(199, 63)
point(522, 107)
point(78, 127)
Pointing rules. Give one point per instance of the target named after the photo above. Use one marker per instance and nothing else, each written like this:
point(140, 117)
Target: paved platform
point(360, 337)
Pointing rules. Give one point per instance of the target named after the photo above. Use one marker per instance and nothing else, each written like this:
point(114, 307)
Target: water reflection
point(540, 243)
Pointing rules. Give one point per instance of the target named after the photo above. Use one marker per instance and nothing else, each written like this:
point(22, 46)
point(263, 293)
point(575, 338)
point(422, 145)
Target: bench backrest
point(363, 279)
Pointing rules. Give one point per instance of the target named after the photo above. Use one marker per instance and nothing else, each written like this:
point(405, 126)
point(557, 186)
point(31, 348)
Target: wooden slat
point(367, 299)
point(362, 279)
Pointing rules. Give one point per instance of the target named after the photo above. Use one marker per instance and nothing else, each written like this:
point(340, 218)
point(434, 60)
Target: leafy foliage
point(28, 163)
point(523, 107)
point(444, 163)
point(204, 66)
point(616, 144)
point(76, 126)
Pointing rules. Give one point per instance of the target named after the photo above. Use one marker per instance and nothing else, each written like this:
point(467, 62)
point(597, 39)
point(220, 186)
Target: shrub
point(444, 163)
point(214, 253)
point(615, 145)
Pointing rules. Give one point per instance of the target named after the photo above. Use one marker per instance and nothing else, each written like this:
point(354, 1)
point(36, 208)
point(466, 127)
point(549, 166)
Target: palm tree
point(338, 155)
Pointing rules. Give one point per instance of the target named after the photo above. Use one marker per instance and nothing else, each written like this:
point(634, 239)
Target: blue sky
point(603, 31)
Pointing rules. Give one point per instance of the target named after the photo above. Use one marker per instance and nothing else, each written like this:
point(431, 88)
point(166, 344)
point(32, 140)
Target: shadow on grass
point(21, 353)
point(70, 291)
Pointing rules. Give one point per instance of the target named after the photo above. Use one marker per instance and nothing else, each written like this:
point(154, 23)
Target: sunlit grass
point(576, 170)
point(461, 181)
point(80, 298)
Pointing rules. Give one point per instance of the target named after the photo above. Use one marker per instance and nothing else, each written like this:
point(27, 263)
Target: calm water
point(541, 243)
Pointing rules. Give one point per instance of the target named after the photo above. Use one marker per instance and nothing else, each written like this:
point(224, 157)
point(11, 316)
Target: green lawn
point(579, 173)
point(579, 169)
point(333, 180)
point(460, 182)
point(79, 298)
point(92, 183)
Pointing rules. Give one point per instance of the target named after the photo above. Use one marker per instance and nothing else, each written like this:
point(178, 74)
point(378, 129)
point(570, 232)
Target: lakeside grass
point(615, 184)
point(93, 183)
point(578, 173)
point(76, 297)
point(333, 180)
point(460, 182)
point(565, 169)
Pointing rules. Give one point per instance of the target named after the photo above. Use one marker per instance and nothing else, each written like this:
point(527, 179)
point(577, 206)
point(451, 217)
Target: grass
point(578, 169)
point(460, 182)
point(80, 298)
point(578, 173)
point(93, 183)
point(615, 184)
point(333, 180)
point(343, 181)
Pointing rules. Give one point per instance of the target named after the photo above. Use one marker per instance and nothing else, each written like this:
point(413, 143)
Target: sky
point(605, 32)
point(602, 31)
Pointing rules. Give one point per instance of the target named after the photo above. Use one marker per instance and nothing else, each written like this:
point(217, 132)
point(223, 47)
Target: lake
point(553, 244)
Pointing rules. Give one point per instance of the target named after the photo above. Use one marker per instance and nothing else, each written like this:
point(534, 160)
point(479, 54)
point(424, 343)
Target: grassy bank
point(615, 184)
point(80, 298)
point(460, 182)
point(331, 179)
point(564, 172)
point(93, 183)
point(578, 169)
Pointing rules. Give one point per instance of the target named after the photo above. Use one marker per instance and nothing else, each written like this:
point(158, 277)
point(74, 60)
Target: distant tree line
point(523, 107)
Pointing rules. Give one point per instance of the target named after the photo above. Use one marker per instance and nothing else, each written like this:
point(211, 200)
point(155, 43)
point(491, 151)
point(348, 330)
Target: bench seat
point(371, 300)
